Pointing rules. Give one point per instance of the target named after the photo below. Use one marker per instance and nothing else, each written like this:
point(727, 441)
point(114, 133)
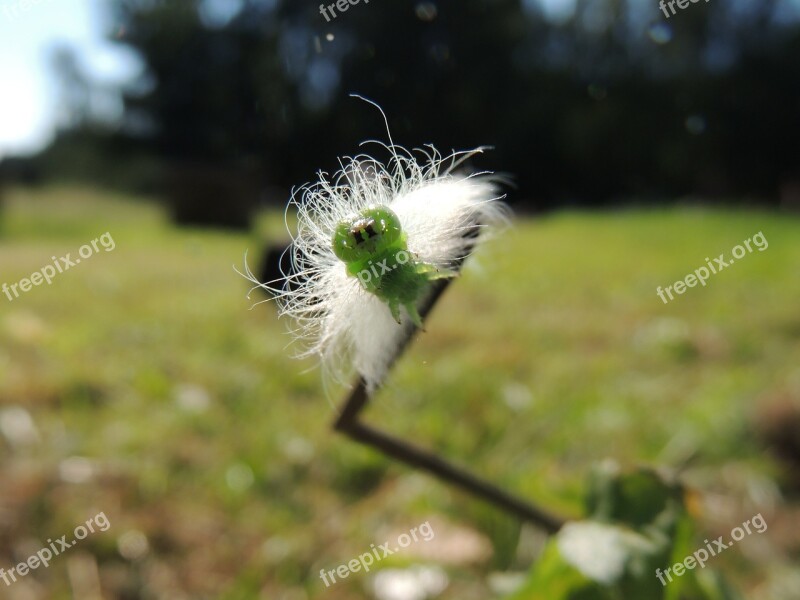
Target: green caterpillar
point(372, 245)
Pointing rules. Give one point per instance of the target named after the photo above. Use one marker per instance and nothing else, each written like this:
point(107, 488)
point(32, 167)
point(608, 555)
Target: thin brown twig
point(348, 423)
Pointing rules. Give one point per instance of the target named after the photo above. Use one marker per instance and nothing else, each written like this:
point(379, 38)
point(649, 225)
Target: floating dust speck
point(660, 33)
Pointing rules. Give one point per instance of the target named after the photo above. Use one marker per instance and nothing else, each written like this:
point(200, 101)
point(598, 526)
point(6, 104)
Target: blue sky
point(27, 29)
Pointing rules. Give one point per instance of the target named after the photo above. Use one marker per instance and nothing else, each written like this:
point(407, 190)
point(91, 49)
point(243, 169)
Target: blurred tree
point(73, 88)
point(603, 100)
point(216, 101)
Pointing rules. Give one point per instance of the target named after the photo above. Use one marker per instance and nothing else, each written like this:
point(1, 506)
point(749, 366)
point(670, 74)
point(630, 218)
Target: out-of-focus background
point(137, 383)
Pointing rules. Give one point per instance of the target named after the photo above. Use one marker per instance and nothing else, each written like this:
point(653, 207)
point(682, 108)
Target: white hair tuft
point(336, 319)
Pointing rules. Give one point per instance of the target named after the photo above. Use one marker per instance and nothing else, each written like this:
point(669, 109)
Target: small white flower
point(440, 211)
point(595, 549)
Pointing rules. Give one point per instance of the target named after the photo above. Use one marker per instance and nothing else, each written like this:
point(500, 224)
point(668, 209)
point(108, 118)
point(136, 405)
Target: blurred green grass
point(161, 399)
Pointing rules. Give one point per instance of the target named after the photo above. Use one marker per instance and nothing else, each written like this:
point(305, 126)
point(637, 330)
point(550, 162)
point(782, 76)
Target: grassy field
point(140, 384)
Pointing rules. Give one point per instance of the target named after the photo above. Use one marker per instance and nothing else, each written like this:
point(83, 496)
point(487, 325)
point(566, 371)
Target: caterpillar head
point(370, 232)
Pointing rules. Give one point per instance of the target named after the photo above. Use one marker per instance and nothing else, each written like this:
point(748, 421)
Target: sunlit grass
point(552, 352)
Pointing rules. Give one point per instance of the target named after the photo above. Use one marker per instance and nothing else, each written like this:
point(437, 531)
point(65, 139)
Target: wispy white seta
point(440, 210)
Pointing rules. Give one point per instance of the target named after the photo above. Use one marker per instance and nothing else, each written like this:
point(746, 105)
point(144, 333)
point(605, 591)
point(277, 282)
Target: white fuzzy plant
point(354, 325)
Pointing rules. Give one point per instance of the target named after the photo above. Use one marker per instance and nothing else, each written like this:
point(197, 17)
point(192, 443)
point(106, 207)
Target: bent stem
point(349, 424)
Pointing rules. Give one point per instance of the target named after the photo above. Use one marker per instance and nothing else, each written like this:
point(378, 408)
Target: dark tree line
point(612, 102)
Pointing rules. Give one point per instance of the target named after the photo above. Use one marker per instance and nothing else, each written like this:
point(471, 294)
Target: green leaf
point(638, 523)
